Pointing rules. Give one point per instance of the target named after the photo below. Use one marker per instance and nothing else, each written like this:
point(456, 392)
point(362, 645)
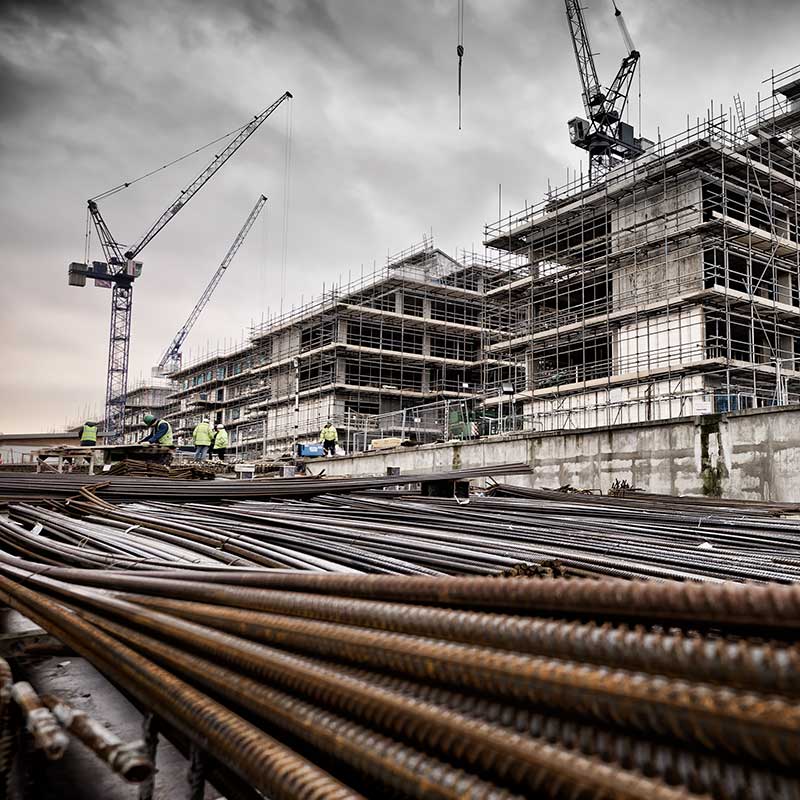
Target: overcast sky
point(95, 93)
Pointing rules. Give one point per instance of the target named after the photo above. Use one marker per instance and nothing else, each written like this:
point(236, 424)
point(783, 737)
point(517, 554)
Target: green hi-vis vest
point(166, 439)
point(221, 439)
point(89, 434)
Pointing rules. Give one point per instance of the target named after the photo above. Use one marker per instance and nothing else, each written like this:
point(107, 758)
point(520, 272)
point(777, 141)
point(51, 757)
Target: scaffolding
point(669, 289)
point(409, 333)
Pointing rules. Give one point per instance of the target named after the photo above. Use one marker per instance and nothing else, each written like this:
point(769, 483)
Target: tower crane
point(171, 360)
point(121, 268)
point(607, 138)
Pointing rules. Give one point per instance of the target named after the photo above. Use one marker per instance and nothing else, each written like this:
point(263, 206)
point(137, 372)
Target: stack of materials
point(252, 629)
point(405, 535)
point(343, 686)
point(150, 469)
point(119, 488)
point(645, 500)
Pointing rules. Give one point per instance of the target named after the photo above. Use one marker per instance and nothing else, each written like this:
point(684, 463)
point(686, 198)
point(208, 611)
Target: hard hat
point(149, 419)
point(219, 425)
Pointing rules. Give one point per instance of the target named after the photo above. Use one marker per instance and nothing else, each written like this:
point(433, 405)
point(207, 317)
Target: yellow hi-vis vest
point(166, 439)
point(89, 434)
point(328, 434)
point(202, 434)
point(221, 439)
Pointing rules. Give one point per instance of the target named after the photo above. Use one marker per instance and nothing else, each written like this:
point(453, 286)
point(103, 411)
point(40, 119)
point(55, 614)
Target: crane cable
point(460, 53)
point(87, 246)
point(126, 184)
point(287, 170)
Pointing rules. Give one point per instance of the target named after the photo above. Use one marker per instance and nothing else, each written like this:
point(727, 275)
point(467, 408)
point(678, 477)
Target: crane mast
point(121, 268)
point(171, 360)
point(603, 133)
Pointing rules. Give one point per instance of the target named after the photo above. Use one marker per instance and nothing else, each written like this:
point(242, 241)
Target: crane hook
point(460, 53)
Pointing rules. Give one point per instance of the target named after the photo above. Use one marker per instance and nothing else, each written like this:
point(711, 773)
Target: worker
point(201, 437)
point(162, 434)
point(329, 438)
point(89, 434)
point(220, 442)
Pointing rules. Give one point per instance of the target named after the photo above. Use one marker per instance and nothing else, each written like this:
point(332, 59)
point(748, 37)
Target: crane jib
point(189, 192)
point(172, 355)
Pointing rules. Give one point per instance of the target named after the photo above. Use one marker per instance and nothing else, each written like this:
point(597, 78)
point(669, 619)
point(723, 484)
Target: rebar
point(761, 726)
point(388, 761)
point(41, 724)
point(507, 756)
point(6, 726)
point(762, 667)
point(129, 759)
point(272, 768)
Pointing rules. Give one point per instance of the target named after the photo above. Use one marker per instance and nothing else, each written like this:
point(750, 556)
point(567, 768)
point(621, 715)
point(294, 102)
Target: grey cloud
point(19, 90)
point(22, 13)
point(102, 92)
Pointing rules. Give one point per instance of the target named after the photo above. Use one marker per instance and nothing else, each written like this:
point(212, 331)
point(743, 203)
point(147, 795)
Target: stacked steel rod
point(350, 685)
point(410, 535)
point(119, 488)
point(223, 616)
point(634, 497)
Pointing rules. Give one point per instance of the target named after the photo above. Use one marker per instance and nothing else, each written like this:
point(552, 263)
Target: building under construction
point(432, 621)
point(409, 334)
point(669, 288)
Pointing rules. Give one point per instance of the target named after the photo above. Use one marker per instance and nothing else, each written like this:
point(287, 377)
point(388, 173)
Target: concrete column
point(784, 287)
point(786, 351)
point(426, 380)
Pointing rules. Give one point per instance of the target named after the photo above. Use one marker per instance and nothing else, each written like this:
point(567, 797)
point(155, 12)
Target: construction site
point(517, 521)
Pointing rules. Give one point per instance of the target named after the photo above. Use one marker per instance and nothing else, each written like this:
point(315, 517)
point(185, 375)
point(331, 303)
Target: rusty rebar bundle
point(424, 700)
point(6, 725)
point(251, 629)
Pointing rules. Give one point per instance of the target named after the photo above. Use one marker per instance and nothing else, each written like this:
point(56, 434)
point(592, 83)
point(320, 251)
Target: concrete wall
point(751, 455)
